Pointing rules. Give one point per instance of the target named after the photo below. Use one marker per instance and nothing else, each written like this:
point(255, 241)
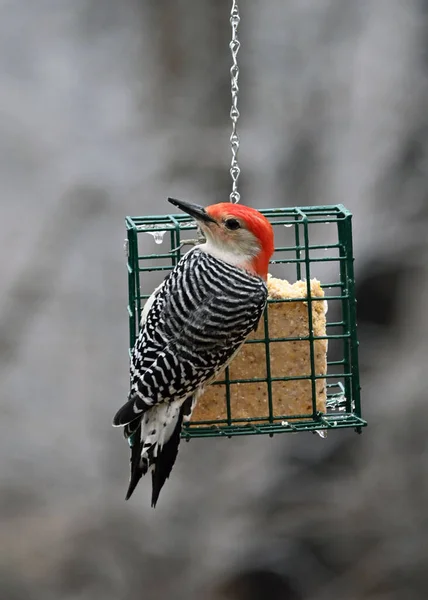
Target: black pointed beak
point(194, 210)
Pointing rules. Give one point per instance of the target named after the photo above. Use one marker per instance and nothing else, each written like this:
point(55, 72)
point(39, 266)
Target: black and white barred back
point(197, 320)
point(203, 312)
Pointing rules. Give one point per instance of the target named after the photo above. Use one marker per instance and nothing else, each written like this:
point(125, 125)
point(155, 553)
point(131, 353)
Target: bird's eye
point(232, 224)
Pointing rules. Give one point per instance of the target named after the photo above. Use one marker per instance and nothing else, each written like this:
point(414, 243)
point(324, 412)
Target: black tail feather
point(137, 469)
point(166, 457)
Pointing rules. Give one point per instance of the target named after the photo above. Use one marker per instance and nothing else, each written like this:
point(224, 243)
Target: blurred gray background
point(108, 107)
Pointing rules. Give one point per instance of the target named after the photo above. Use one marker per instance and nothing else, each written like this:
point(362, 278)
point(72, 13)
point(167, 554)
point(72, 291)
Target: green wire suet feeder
point(300, 259)
point(286, 380)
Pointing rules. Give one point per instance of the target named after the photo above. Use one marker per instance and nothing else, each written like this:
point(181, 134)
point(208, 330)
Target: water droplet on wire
point(156, 233)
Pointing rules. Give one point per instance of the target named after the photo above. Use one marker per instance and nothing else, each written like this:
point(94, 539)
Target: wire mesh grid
point(296, 257)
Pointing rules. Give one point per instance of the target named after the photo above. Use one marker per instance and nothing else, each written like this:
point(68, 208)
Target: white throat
point(232, 258)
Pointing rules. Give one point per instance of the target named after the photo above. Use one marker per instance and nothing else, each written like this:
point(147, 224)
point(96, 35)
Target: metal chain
point(234, 112)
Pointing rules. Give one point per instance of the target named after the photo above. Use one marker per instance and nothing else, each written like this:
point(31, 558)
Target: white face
point(230, 240)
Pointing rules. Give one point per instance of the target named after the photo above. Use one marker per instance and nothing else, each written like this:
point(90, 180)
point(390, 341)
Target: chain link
point(234, 112)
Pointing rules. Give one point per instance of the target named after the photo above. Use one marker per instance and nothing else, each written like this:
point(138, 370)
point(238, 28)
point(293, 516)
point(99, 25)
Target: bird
point(192, 326)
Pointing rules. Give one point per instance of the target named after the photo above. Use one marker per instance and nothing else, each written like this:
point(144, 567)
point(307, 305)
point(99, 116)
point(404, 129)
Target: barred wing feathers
point(198, 319)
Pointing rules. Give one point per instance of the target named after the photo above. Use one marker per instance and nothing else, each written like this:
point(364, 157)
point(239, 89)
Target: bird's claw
point(194, 242)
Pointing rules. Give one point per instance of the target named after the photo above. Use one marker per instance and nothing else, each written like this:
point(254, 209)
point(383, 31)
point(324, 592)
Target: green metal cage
point(314, 241)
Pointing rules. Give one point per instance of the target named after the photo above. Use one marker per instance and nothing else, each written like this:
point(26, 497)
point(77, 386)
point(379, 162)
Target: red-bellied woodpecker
point(192, 326)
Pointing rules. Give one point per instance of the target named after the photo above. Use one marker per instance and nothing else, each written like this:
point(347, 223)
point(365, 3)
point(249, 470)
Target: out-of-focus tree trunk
point(109, 107)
